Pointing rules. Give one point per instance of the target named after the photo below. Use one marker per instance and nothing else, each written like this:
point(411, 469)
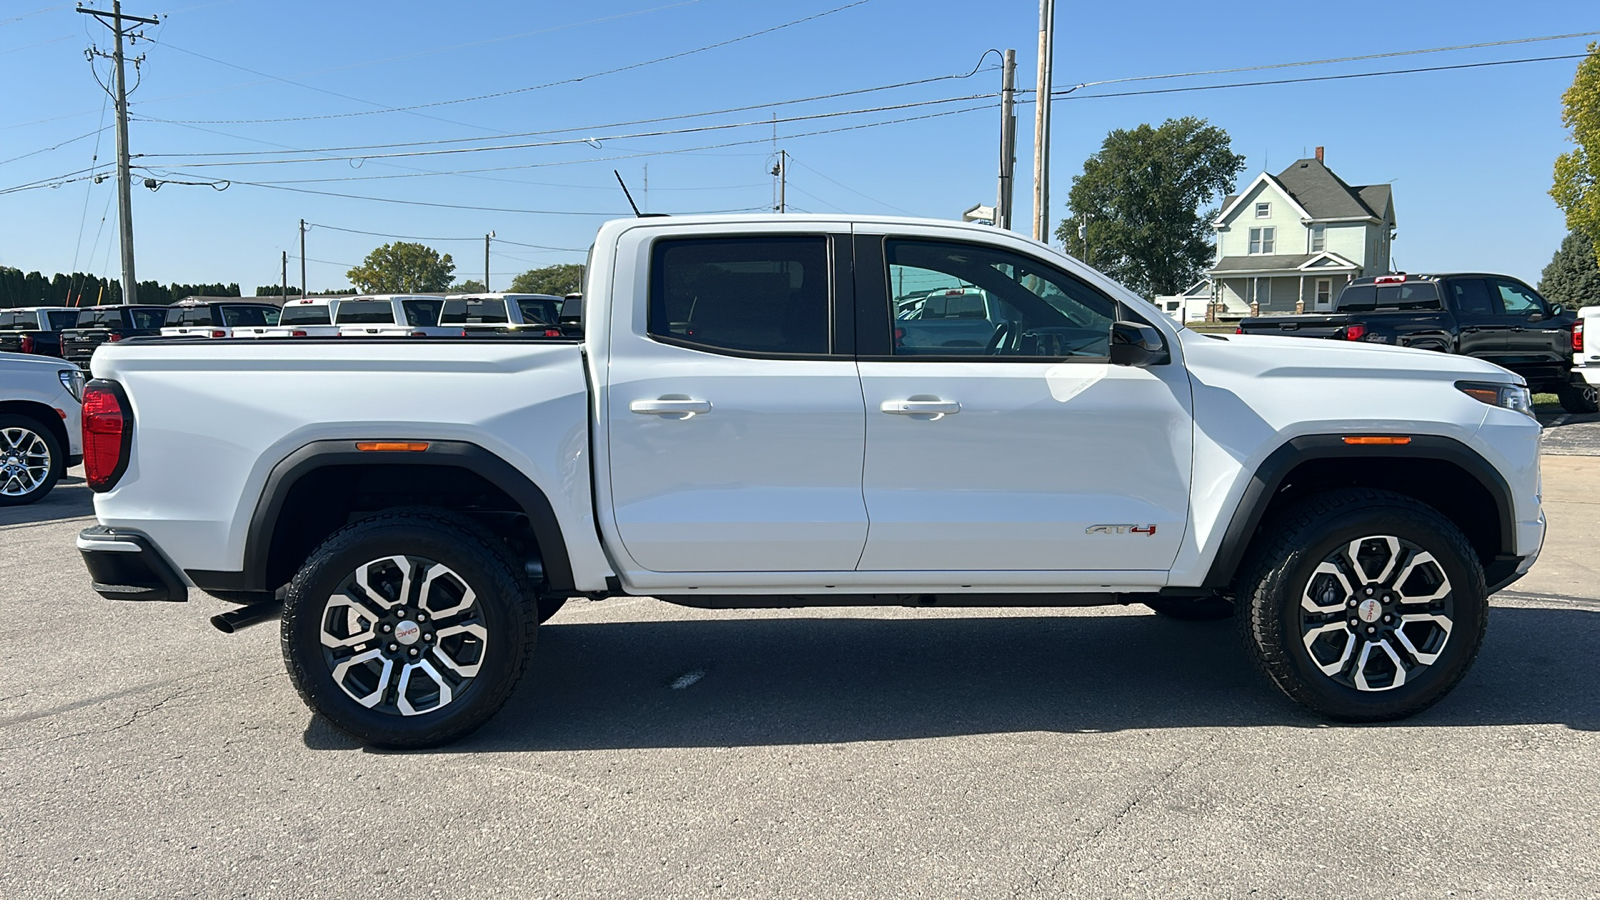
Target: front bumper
point(126, 565)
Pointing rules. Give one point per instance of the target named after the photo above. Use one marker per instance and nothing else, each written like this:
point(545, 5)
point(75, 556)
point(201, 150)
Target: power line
point(80, 137)
point(1320, 62)
point(412, 237)
point(1068, 95)
point(848, 187)
point(536, 87)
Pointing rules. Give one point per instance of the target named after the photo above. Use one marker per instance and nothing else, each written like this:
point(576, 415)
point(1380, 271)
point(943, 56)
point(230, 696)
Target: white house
point(1289, 242)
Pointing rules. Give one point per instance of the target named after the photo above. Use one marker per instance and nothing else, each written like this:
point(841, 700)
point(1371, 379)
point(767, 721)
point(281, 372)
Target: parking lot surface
point(656, 751)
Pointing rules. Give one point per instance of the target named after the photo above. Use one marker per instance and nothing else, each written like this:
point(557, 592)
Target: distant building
point(1290, 241)
point(1190, 305)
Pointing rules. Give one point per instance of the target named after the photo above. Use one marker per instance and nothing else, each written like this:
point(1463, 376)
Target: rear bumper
point(126, 565)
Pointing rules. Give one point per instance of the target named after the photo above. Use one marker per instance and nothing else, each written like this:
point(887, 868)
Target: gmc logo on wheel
point(1147, 530)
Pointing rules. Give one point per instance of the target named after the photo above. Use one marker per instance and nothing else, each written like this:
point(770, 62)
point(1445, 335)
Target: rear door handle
point(670, 406)
point(920, 407)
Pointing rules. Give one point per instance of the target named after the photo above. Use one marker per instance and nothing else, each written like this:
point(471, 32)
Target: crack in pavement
point(114, 695)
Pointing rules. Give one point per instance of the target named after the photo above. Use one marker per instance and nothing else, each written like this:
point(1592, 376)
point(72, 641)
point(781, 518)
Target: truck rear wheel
point(408, 629)
point(1578, 397)
point(1363, 605)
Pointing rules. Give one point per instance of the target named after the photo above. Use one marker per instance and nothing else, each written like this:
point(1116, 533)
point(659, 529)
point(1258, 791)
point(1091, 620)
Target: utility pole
point(1008, 140)
point(302, 257)
point(1041, 123)
point(644, 196)
point(285, 294)
point(486, 260)
point(782, 171)
point(114, 20)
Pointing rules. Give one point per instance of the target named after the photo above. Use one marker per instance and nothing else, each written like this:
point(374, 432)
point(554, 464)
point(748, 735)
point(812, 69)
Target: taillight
point(297, 333)
point(552, 332)
point(1355, 332)
point(26, 346)
point(1238, 329)
point(107, 434)
point(419, 334)
point(114, 338)
point(219, 333)
point(1577, 336)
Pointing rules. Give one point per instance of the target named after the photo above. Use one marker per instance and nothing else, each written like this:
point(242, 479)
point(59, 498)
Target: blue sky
point(1469, 151)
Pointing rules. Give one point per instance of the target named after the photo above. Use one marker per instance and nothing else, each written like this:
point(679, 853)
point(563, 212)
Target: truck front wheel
point(408, 629)
point(1363, 605)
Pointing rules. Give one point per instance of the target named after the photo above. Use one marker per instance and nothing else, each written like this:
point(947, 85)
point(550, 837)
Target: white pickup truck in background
point(307, 317)
point(1586, 355)
point(391, 315)
point(219, 319)
point(738, 427)
point(501, 313)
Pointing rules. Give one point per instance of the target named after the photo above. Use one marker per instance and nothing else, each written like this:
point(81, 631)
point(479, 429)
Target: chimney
point(1319, 154)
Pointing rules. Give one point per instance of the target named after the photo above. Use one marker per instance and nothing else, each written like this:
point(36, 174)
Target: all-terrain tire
point(20, 439)
point(408, 629)
point(1578, 398)
point(1291, 571)
point(1201, 609)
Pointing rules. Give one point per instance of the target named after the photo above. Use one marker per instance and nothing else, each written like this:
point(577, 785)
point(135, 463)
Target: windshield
point(15, 321)
point(63, 319)
point(246, 316)
point(1411, 295)
point(422, 313)
point(474, 312)
point(539, 312)
point(305, 315)
point(364, 312)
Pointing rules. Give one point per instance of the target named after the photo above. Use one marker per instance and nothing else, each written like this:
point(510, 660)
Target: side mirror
point(1557, 310)
point(1535, 317)
point(1138, 345)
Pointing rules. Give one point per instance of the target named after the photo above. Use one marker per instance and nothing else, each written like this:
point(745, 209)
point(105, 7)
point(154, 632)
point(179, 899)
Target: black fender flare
point(322, 454)
point(1269, 476)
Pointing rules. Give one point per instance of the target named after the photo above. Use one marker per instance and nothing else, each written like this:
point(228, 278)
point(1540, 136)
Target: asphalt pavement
point(656, 751)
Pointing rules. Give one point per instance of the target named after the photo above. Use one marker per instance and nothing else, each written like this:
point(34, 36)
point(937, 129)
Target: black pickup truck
point(1492, 317)
point(35, 329)
point(105, 324)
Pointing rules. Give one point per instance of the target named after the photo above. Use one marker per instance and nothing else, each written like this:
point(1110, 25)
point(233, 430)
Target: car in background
point(502, 313)
point(219, 319)
point(41, 425)
point(35, 329)
point(1495, 318)
point(391, 315)
point(307, 317)
point(106, 325)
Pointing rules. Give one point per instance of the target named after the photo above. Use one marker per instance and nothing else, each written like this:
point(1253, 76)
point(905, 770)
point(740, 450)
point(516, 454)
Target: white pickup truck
point(391, 315)
point(1586, 357)
point(737, 429)
point(39, 422)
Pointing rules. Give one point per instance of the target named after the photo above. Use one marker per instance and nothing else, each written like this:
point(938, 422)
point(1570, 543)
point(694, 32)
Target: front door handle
point(920, 406)
point(681, 407)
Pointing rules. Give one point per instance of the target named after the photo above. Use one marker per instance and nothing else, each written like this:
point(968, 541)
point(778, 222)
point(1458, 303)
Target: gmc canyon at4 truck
point(737, 428)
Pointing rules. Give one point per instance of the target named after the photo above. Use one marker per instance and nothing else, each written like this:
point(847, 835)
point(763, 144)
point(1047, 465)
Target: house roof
point(1285, 263)
point(1322, 194)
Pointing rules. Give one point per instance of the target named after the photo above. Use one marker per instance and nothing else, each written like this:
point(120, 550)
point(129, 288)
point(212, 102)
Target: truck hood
point(21, 363)
point(1269, 356)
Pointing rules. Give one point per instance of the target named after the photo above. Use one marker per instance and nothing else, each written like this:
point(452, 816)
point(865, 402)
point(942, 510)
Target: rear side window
point(247, 316)
point(539, 312)
point(63, 319)
point(422, 313)
point(364, 312)
point(761, 295)
point(305, 315)
point(1471, 296)
point(474, 312)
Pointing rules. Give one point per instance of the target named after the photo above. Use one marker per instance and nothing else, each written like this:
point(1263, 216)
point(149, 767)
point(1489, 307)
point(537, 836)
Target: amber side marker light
point(1490, 396)
point(392, 446)
point(1387, 439)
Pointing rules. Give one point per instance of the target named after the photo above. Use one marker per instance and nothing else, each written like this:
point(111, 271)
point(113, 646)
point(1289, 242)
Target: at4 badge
point(1146, 530)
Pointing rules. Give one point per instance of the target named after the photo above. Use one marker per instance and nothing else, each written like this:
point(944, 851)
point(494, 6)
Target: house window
point(1319, 238)
point(1324, 292)
point(1263, 240)
point(1263, 210)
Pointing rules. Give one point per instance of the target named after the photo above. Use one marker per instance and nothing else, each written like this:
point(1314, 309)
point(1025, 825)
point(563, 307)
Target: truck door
point(1031, 452)
point(1480, 323)
point(1532, 337)
point(734, 411)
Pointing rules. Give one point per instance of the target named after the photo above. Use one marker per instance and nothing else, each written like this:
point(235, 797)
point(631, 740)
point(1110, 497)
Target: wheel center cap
point(407, 632)
point(1370, 610)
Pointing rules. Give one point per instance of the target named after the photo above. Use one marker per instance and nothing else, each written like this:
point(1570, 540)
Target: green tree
point(560, 280)
point(401, 267)
point(470, 286)
point(1577, 177)
point(1139, 198)
point(1573, 277)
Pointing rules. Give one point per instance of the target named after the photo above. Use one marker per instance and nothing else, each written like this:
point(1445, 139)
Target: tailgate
point(1296, 326)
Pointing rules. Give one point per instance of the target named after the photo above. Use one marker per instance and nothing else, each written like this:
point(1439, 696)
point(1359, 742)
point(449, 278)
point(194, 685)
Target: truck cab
point(307, 317)
point(391, 315)
point(219, 319)
point(108, 324)
point(35, 329)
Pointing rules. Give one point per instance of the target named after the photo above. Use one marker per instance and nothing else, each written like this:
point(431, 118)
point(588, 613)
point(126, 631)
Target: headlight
point(1510, 396)
point(72, 380)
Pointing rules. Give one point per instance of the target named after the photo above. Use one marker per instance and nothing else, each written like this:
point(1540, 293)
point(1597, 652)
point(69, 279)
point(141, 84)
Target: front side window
point(757, 295)
point(1263, 210)
point(984, 301)
point(1263, 241)
point(1319, 238)
point(1518, 300)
